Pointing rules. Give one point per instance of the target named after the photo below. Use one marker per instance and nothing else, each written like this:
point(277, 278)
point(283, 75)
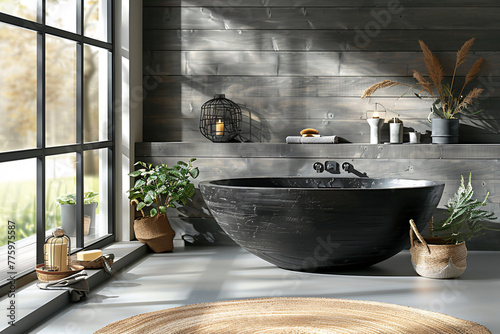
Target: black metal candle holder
point(220, 119)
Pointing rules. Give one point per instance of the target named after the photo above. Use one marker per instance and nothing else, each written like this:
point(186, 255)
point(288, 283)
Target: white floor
point(204, 274)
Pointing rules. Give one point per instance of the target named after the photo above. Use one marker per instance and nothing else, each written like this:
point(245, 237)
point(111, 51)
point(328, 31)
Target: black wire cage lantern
point(220, 119)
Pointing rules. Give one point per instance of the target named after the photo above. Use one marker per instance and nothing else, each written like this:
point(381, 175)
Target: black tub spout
point(318, 167)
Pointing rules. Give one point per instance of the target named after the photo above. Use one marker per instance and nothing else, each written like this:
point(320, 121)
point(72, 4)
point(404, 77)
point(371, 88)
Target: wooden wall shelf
point(346, 151)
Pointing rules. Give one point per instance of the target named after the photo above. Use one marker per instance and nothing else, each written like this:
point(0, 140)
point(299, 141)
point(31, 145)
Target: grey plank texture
point(291, 64)
point(441, 40)
point(316, 3)
point(248, 18)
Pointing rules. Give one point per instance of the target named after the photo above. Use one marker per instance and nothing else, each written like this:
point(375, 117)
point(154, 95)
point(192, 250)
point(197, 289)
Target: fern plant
point(465, 216)
point(160, 186)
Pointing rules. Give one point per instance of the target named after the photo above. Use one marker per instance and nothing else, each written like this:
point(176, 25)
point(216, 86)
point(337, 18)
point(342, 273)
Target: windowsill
point(26, 254)
point(37, 305)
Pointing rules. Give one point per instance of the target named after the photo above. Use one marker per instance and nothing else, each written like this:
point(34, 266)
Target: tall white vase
point(375, 127)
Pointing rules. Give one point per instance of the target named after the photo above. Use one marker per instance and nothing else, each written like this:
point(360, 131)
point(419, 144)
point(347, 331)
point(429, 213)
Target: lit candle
point(375, 115)
point(219, 128)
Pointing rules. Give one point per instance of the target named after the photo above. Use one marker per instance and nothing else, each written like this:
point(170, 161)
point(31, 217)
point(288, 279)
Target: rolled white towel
point(293, 139)
point(312, 140)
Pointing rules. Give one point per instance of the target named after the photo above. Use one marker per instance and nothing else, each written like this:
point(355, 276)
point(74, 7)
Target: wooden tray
point(47, 276)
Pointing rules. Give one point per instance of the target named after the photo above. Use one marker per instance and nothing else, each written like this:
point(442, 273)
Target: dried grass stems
point(426, 85)
point(382, 84)
point(450, 105)
point(434, 68)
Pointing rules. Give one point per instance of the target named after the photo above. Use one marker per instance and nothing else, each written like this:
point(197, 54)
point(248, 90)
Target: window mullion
point(79, 200)
point(40, 209)
point(79, 17)
point(79, 125)
point(40, 120)
point(111, 116)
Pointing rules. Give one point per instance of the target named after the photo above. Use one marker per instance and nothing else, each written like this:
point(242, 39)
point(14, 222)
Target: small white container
point(396, 133)
point(415, 137)
point(375, 127)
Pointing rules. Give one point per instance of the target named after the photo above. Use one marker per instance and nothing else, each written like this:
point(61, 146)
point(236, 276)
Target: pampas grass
point(381, 84)
point(474, 71)
point(468, 100)
point(426, 85)
point(434, 67)
point(463, 52)
point(450, 104)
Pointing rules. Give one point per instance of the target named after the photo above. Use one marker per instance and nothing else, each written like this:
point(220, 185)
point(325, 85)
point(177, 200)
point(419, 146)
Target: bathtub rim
point(425, 183)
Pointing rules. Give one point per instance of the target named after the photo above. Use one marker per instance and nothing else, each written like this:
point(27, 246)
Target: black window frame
point(42, 151)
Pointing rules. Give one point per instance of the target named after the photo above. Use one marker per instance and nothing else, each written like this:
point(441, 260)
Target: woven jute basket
point(156, 232)
point(432, 257)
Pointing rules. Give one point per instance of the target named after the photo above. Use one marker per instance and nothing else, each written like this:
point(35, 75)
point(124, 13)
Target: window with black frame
point(56, 128)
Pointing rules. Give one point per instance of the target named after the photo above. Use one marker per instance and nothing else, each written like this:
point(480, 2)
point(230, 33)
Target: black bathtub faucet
point(329, 166)
point(333, 167)
point(348, 167)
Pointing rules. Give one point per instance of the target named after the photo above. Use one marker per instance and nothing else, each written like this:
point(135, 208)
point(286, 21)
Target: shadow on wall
point(483, 129)
point(254, 128)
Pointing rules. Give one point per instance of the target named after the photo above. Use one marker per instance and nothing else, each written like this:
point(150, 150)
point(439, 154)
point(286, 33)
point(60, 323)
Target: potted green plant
point(443, 254)
point(68, 212)
point(449, 101)
point(158, 187)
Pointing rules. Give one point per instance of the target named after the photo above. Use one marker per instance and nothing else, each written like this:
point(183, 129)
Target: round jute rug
point(293, 315)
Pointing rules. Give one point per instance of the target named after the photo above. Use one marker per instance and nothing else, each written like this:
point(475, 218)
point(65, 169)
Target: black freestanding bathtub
point(321, 224)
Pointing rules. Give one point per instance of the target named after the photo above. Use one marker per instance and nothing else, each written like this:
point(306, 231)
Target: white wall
point(128, 109)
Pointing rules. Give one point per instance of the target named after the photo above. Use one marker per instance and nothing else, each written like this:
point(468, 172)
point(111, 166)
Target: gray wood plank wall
point(292, 64)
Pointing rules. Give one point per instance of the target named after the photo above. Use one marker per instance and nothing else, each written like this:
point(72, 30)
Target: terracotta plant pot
point(433, 258)
point(156, 232)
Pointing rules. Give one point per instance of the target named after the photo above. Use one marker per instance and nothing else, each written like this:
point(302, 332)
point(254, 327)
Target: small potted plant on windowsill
point(68, 212)
point(158, 187)
point(449, 102)
point(443, 254)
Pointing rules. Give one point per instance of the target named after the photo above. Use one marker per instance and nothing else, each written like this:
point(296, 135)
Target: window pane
point(96, 181)
point(95, 19)
point(95, 92)
point(61, 14)
point(18, 198)
point(17, 88)
point(60, 104)
point(25, 9)
point(60, 179)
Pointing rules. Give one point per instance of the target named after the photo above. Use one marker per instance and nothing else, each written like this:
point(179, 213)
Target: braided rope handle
point(414, 230)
